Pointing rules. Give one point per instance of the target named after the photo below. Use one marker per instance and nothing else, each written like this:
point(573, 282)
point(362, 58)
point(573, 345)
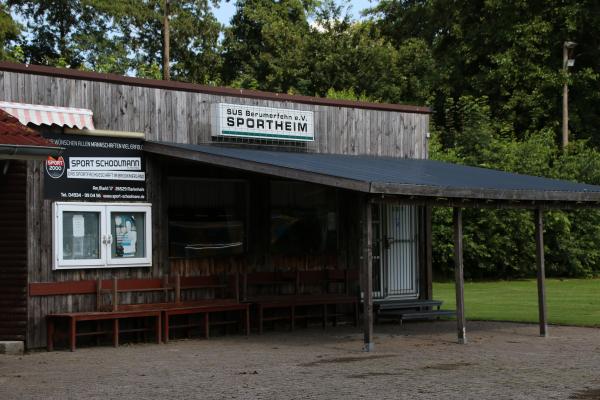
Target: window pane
point(206, 218)
point(128, 234)
point(81, 235)
point(303, 218)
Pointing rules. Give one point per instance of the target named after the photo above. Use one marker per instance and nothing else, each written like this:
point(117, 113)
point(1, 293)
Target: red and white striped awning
point(48, 115)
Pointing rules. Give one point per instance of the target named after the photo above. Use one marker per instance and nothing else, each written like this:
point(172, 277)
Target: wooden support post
point(367, 275)
point(541, 273)
point(459, 276)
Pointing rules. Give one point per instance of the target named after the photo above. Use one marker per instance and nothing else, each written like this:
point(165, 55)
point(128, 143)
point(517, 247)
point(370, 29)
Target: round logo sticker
point(55, 167)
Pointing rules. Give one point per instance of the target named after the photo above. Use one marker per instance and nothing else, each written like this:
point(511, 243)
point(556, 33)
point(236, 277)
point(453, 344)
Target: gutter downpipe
point(10, 151)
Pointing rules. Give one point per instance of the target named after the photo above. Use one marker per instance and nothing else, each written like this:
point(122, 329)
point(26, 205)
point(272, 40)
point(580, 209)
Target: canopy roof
point(37, 114)
point(385, 176)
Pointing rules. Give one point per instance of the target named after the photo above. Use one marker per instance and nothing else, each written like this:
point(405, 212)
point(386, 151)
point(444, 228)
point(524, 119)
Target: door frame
point(380, 228)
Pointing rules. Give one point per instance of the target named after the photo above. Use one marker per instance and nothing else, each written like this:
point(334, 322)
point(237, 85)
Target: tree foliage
point(9, 33)
point(265, 46)
point(510, 52)
point(122, 36)
point(500, 243)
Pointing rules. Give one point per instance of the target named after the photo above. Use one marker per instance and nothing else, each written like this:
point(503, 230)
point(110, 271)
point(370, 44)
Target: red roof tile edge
point(14, 133)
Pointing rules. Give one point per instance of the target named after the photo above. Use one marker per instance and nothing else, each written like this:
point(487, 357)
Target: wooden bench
point(206, 310)
point(170, 305)
point(73, 318)
point(177, 284)
point(299, 305)
point(403, 310)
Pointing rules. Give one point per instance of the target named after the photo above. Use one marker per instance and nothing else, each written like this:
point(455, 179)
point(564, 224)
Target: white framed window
point(102, 235)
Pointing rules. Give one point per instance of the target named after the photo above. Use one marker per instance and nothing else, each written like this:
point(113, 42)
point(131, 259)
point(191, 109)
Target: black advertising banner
point(95, 168)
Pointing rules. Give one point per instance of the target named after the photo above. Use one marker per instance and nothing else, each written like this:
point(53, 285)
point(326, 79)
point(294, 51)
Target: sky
point(227, 9)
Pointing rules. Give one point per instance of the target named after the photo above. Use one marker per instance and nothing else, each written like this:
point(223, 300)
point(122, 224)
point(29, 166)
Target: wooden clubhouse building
point(175, 209)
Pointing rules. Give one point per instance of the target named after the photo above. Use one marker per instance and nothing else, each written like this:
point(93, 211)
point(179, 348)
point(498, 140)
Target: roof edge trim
point(484, 194)
point(214, 90)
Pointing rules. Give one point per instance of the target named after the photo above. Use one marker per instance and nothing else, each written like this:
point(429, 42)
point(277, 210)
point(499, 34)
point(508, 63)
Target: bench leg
point(50, 334)
point(72, 334)
point(292, 317)
point(247, 321)
point(324, 316)
point(116, 332)
point(356, 314)
point(260, 319)
point(334, 316)
point(98, 326)
point(166, 327)
point(158, 328)
point(206, 325)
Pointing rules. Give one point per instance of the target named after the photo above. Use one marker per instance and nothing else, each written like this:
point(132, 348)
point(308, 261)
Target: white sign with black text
point(235, 120)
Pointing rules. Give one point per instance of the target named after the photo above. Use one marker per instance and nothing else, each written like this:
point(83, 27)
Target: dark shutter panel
point(13, 251)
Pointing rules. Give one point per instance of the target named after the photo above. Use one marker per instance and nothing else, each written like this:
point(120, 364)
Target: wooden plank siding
point(184, 117)
point(13, 251)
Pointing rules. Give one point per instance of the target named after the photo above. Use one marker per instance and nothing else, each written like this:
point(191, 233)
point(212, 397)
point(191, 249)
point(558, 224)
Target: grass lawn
point(569, 301)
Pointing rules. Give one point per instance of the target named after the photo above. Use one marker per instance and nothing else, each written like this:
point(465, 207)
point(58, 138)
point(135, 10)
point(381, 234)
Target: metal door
point(399, 250)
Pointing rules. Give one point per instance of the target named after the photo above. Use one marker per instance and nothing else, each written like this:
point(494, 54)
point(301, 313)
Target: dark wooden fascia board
point(256, 167)
point(485, 203)
point(484, 194)
point(214, 90)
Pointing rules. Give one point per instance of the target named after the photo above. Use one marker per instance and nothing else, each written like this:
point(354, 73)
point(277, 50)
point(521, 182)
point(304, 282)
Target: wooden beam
point(541, 273)
point(477, 193)
point(459, 276)
point(486, 203)
point(367, 274)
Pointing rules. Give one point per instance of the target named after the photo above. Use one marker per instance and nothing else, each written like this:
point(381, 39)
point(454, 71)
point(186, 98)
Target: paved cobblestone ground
point(416, 361)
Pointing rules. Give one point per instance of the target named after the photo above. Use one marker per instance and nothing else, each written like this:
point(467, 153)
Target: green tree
point(68, 33)
point(346, 54)
point(500, 243)
point(509, 52)
point(265, 46)
point(194, 36)
point(9, 33)
point(122, 36)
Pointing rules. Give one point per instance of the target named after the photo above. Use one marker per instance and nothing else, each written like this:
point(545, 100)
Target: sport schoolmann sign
point(94, 168)
point(234, 120)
